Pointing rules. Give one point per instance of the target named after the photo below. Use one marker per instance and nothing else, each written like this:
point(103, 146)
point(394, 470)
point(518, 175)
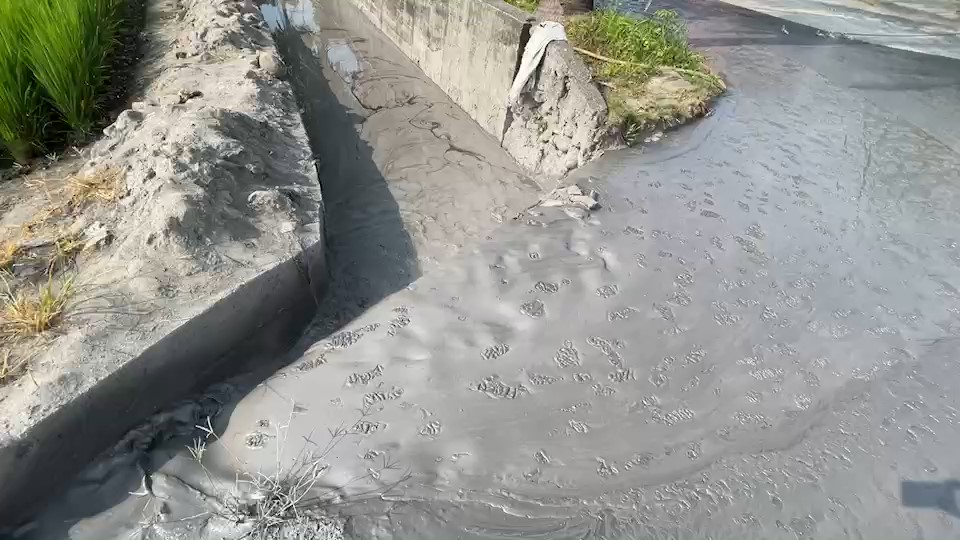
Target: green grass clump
point(67, 52)
point(21, 102)
point(54, 58)
point(652, 43)
point(651, 74)
point(527, 5)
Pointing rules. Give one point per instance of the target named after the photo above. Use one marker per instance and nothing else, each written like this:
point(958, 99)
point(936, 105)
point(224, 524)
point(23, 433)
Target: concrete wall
point(469, 48)
point(472, 48)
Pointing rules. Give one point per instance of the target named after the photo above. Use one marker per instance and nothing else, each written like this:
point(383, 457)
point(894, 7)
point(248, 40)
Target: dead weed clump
point(9, 251)
point(291, 501)
point(99, 185)
point(43, 247)
point(10, 366)
point(29, 315)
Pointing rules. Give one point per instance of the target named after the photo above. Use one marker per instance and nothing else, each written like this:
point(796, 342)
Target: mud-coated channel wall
point(472, 48)
point(469, 48)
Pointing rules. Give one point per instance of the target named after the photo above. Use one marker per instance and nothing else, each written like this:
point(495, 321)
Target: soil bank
point(216, 243)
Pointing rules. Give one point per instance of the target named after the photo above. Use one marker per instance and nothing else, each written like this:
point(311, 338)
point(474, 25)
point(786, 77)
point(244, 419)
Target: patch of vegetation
point(10, 366)
point(54, 58)
point(527, 5)
point(21, 102)
point(102, 184)
point(650, 74)
point(37, 259)
point(28, 315)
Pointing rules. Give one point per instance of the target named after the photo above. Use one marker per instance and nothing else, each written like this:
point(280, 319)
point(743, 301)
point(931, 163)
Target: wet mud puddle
point(755, 337)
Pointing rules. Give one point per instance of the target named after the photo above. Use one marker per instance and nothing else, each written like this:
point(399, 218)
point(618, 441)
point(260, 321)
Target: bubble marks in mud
point(364, 377)
point(493, 387)
point(607, 349)
point(533, 309)
point(495, 351)
point(567, 355)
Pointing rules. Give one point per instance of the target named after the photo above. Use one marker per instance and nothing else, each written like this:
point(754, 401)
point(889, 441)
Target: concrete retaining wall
point(469, 48)
point(472, 48)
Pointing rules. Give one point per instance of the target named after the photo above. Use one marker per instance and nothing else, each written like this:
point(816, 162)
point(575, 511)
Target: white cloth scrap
point(540, 36)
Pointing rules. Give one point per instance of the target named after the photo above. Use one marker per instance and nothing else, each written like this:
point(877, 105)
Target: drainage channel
point(754, 337)
point(408, 180)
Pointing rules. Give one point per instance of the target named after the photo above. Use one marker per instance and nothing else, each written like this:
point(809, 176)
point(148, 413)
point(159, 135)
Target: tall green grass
point(527, 5)
point(21, 103)
point(659, 41)
point(54, 58)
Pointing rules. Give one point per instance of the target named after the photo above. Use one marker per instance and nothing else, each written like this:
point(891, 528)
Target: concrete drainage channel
point(393, 154)
point(217, 258)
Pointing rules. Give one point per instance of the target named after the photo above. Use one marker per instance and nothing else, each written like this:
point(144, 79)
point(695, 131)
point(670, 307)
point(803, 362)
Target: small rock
point(35, 243)
point(96, 235)
point(272, 64)
point(126, 120)
point(571, 196)
point(251, 74)
point(269, 199)
point(254, 168)
point(186, 95)
point(250, 18)
point(562, 143)
point(181, 55)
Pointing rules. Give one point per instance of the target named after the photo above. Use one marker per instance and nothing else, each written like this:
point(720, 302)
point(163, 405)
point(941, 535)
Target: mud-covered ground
point(930, 26)
point(754, 337)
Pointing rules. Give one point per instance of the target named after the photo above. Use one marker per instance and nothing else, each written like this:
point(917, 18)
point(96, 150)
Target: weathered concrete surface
point(469, 48)
point(560, 122)
point(217, 246)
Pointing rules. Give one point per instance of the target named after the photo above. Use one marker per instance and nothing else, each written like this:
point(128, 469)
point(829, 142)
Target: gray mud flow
point(755, 337)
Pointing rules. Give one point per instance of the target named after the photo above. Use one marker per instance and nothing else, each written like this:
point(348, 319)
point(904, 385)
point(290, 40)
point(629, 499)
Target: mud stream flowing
point(754, 337)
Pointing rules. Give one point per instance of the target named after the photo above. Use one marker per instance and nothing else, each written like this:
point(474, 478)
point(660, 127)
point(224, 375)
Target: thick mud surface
point(915, 25)
point(754, 337)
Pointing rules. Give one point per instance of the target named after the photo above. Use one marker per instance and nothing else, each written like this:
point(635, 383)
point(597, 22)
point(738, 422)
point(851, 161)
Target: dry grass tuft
point(65, 248)
point(291, 501)
point(103, 184)
point(10, 368)
point(9, 251)
point(31, 315)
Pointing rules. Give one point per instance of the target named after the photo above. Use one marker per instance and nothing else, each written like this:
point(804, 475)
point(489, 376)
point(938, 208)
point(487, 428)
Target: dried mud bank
point(214, 246)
